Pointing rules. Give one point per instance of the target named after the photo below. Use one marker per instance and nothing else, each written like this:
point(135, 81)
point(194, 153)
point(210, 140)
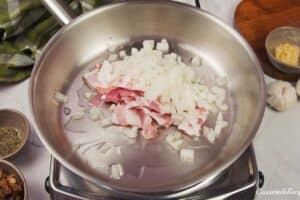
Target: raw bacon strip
point(102, 90)
point(149, 127)
point(126, 117)
point(136, 117)
point(152, 110)
point(154, 105)
point(203, 112)
point(118, 95)
point(200, 121)
point(115, 95)
point(142, 103)
point(162, 120)
point(96, 100)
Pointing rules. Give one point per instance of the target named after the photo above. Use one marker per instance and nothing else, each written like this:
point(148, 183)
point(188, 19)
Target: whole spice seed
point(10, 140)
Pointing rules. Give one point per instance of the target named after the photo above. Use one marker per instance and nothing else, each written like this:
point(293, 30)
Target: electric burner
point(240, 181)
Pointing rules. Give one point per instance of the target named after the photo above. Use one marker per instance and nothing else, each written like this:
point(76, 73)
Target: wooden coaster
point(254, 19)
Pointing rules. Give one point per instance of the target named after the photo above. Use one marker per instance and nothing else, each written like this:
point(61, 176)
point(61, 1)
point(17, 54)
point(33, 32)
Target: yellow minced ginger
point(287, 53)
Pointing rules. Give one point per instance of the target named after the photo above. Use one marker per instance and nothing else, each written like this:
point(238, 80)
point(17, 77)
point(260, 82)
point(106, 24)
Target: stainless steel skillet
point(195, 31)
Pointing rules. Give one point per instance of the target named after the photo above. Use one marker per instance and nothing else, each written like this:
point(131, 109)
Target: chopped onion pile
point(152, 88)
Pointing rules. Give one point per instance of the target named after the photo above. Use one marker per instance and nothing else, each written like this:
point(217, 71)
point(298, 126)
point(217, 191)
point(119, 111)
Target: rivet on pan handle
point(59, 10)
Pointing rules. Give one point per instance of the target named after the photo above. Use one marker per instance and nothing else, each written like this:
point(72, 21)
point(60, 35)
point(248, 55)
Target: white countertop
point(276, 144)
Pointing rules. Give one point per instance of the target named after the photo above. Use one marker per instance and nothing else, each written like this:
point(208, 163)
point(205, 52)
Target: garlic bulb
point(298, 87)
point(281, 95)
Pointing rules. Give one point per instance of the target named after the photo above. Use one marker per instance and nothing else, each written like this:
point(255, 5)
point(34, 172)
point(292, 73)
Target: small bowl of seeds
point(14, 132)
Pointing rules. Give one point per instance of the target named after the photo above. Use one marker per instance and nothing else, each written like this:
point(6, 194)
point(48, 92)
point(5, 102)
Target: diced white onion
point(112, 107)
point(122, 54)
point(219, 91)
point(131, 133)
point(148, 44)
point(94, 113)
point(176, 144)
point(210, 134)
point(196, 61)
point(177, 135)
point(111, 47)
point(220, 116)
point(174, 55)
point(169, 138)
point(177, 119)
point(179, 59)
point(187, 155)
point(219, 126)
point(77, 115)
point(211, 137)
point(223, 107)
point(174, 140)
point(105, 122)
point(61, 98)
point(134, 51)
point(163, 46)
point(116, 171)
point(112, 57)
point(141, 172)
point(171, 56)
point(222, 81)
point(88, 94)
point(105, 148)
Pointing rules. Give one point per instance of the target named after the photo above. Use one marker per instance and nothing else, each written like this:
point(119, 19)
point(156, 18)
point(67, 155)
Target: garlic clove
point(281, 95)
point(298, 87)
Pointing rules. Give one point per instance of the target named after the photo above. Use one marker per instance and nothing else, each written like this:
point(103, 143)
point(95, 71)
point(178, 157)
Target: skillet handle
point(64, 14)
point(59, 10)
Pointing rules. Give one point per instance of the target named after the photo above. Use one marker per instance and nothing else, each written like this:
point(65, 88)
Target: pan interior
point(191, 32)
point(142, 160)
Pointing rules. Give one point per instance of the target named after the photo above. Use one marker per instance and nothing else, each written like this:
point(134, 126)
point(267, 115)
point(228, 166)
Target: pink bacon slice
point(161, 119)
point(126, 117)
point(149, 127)
point(119, 95)
point(115, 95)
point(135, 117)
